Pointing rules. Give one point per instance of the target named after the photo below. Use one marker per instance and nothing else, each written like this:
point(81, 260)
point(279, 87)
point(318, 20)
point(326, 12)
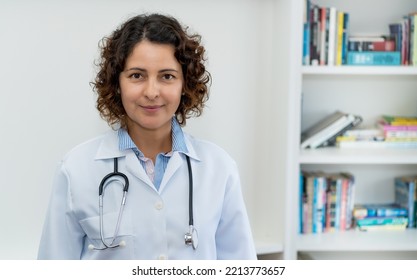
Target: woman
point(184, 197)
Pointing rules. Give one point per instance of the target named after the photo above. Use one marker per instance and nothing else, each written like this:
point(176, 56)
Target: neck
point(151, 142)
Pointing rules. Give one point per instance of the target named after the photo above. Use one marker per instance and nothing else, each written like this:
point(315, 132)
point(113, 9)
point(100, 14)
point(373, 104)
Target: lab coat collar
point(109, 147)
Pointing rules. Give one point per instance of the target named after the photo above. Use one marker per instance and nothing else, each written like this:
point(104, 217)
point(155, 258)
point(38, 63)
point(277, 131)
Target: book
point(378, 221)
point(339, 37)
point(372, 43)
point(413, 39)
point(405, 195)
point(383, 227)
point(314, 35)
point(364, 134)
point(368, 144)
point(395, 30)
point(379, 210)
point(332, 36)
point(306, 32)
point(323, 34)
point(345, 36)
point(302, 201)
point(332, 140)
point(399, 120)
point(326, 128)
point(374, 58)
point(385, 126)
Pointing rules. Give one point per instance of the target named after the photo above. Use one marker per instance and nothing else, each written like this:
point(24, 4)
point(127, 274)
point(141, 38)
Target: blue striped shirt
point(155, 171)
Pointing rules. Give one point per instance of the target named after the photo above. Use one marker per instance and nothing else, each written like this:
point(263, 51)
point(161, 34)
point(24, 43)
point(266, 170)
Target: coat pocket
point(125, 236)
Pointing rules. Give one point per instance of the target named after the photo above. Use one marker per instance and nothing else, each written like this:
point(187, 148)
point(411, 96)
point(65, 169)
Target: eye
point(168, 77)
point(136, 76)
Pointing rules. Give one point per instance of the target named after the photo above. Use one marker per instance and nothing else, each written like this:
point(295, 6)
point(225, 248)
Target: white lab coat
point(154, 222)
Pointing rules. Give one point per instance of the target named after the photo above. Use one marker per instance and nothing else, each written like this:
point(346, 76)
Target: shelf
point(354, 240)
point(263, 247)
point(358, 156)
point(359, 70)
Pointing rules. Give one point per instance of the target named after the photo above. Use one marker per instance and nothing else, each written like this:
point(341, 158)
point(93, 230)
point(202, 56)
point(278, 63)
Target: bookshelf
point(368, 91)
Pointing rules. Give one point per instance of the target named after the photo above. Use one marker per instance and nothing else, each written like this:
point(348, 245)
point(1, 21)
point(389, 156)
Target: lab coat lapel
point(135, 168)
point(174, 164)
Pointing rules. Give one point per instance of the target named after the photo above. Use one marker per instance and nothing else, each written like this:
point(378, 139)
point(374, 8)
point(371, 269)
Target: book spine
point(374, 58)
point(359, 46)
point(332, 36)
point(382, 227)
point(306, 32)
point(321, 199)
point(301, 203)
point(343, 204)
point(309, 211)
point(332, 205)
point(345, 34)
point(322, 11)
point(404, 41)
point(315, 204)
point(402, 197)
point(411, 204)
point(382, 221)
point(339, 40)
point(338, 203)
point(391, 212)
point(414, 40)
point(351, 194)
point(395, 30)
point(306, 44)
point(314, 36)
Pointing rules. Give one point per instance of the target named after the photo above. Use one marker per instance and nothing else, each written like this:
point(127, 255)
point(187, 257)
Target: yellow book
point(339, 41)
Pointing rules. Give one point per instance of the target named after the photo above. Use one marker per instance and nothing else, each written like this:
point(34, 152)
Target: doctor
point(172, 196)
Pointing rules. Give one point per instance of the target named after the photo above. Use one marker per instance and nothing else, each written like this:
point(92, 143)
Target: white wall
point(47, 52)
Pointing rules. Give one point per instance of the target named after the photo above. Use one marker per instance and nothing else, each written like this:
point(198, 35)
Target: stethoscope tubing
point(189, 237)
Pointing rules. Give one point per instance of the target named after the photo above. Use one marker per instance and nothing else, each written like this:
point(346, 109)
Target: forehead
point(146, 53)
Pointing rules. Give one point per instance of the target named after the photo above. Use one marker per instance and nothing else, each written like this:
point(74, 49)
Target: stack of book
point(399, 47)
point(326, 201)
point(325, 132)
point(371, 217)
point(372, 50)
point(390, 132)
point(406, 196)
point(399, 129)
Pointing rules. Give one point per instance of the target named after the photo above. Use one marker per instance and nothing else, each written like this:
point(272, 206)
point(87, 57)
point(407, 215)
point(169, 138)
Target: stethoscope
point(190, 238)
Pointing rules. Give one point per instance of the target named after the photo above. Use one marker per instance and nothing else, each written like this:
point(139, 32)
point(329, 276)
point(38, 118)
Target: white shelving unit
point(368, 91)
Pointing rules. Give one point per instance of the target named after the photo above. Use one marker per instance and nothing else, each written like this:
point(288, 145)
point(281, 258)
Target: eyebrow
point(144, 70)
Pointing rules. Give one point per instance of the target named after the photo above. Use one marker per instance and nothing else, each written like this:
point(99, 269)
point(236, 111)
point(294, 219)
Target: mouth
point(152, 108)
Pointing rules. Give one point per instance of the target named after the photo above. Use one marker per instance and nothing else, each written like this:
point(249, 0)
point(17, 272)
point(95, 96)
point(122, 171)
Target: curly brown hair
point(156, 28)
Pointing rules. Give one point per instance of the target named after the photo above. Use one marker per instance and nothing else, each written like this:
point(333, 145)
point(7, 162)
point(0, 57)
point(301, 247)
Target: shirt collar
point(178, 140)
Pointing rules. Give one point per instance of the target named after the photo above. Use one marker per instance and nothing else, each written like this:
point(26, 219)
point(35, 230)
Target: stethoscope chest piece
point(191, 237)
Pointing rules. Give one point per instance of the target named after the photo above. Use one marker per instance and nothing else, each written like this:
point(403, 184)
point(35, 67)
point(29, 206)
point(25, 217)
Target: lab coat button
point(159, 205)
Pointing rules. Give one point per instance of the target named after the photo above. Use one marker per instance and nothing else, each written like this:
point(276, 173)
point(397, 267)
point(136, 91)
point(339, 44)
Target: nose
point(152, 89)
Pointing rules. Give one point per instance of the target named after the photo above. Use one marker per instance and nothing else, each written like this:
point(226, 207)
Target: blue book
point(374, 221)
point(373, 58)
point(306, 44)
point(405, 188)
point(379, 210)
point(345, 36)
point(303, 200)
point(395, 30)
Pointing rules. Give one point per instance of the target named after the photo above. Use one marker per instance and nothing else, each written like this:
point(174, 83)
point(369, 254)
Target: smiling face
point(150, 86)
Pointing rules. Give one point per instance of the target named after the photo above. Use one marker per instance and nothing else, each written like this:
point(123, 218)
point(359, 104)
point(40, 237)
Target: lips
point(152, 108)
